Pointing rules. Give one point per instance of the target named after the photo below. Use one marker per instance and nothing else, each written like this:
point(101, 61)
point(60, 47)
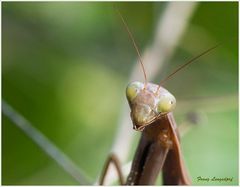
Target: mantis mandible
point(159, 147)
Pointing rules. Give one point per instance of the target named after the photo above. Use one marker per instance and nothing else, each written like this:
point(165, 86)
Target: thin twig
point(170, 27)
point(45, 144)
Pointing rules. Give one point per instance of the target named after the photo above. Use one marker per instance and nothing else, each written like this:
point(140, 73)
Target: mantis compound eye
point(167, 103)
point(133, 89)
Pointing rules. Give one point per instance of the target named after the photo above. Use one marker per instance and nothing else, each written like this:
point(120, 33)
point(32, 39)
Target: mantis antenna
point(134, 44)
point(186, 64)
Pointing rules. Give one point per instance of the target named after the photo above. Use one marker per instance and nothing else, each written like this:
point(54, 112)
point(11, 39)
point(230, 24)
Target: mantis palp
point(159, 147)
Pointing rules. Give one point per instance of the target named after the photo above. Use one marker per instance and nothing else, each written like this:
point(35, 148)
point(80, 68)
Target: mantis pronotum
point(159, 147)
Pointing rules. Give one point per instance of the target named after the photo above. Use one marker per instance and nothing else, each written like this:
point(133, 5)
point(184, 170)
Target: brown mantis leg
point(157, 157)
point(151, 153)
point(112, 159)
point(174, 171)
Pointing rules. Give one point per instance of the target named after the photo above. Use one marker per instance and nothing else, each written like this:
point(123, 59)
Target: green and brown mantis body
point(159, 147)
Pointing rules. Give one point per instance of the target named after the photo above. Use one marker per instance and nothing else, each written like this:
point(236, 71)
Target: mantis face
point(149, 103)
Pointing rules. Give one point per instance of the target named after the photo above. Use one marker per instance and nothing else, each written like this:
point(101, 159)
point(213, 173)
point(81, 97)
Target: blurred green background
point(65, 67)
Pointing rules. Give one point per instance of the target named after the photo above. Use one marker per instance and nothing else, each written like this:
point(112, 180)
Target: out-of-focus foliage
point(65, 68)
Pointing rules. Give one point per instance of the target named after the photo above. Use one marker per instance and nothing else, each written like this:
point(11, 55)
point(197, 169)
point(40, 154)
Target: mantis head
point(148, 103)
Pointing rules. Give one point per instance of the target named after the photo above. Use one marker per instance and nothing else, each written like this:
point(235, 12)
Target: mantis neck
point(158, 149)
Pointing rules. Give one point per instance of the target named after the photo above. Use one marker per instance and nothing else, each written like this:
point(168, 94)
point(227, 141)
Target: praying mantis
point(159, 147)
point(203, 158)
